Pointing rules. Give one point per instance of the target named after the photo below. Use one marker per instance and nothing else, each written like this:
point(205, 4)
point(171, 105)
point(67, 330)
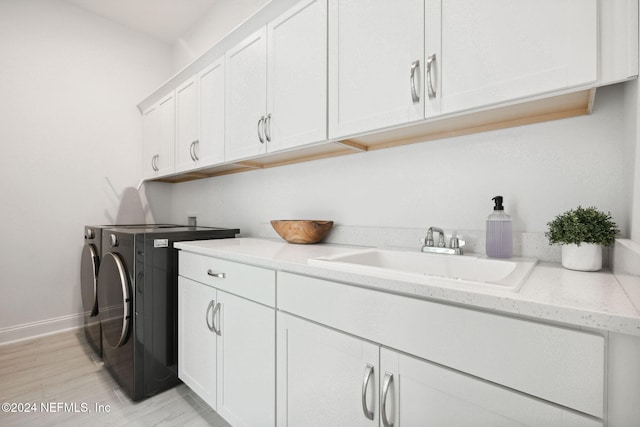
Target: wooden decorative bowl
point(302, 231)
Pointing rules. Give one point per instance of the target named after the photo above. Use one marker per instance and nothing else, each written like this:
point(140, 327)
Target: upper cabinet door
point(159, 133)
point(150, 141)
point(503, 50)
point(297, 91)
point(376, 50)
point(167, 112)
point(186, 124)
point(209, 149)
point(200, 119)
point(246, 97)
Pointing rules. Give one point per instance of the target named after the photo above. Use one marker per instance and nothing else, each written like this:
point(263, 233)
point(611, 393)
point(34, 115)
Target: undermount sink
point(425, 268)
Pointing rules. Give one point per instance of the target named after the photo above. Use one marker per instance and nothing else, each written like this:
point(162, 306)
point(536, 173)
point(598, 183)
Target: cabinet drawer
point(553, 363)
point(255, 283)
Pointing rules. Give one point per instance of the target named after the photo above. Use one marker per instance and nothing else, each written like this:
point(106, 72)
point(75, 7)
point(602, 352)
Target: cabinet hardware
point(368, 372)
point(267, 127)
point(386, 384)
point(209, 307)
point(154, 163)
point(211, 273)
point(260, 127)
point(430, 71)
point(192, 150)
point(414, 94)
point(213, 320)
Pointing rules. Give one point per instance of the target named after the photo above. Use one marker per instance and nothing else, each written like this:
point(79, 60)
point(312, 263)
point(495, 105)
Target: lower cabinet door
point(197, 338)
point(325, 378)
point(246, 360)
point(415, 392)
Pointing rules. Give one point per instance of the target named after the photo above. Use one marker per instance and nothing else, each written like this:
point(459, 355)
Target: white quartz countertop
point(592, 300)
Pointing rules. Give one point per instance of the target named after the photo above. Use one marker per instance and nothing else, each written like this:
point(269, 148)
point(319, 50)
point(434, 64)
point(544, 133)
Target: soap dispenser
point(499, 232)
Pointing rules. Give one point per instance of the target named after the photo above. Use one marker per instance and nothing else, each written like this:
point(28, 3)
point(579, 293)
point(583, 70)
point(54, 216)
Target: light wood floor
point(61, 370)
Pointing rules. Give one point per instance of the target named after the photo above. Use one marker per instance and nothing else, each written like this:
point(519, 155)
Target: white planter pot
point(586, 257)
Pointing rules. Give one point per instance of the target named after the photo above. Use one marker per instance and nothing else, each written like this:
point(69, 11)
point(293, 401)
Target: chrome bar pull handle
point(430, 71)
point(415, 96)
point(191, 151)
point(260, 129)
point(368, 372)
point(210, 325)
point(267, 127)
point(196, 144)
point(386, 384)
point(212, 273)
point(215, 329)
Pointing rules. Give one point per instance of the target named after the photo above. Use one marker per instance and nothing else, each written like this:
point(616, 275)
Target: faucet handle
point(457, 244)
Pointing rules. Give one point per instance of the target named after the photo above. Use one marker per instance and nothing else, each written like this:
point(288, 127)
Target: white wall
point(223, 17)
point(541, 170)
point(69, 85)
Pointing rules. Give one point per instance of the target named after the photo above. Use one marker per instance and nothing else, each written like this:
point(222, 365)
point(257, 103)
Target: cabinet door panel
point(210, 148)
point(196, 342)
point(422, 393)
point(246, 96)
point(501, 50)
point(165, 159)
point(246, 362)
point(372, 46)
point(298, 76)
point(186, 123)
point(321, 374)
point(151, 140)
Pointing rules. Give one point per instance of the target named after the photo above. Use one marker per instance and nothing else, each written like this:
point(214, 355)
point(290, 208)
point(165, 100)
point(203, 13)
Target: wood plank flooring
point(61, 381)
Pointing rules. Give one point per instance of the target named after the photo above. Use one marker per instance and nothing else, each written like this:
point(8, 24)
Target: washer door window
point(89, 279)
point(114, 299)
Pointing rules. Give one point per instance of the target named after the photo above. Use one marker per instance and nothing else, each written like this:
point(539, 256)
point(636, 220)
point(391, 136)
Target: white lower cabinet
point(226, 341)
point(437, 364)
point(415, 392)
point(246, 360)
point(322, 375)
point(326, 377)
point(196, 340)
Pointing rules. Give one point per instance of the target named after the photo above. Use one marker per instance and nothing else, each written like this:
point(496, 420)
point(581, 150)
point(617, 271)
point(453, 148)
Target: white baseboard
point(41, 327)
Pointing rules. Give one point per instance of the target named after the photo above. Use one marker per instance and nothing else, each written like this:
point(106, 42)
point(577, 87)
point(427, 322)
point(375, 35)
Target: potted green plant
point(582, 232)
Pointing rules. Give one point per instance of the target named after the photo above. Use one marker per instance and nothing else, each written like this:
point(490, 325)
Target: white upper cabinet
point(186, 123)
point(297, 72)
point(150, 141)
point(376, 73)
point(503, 50)
point(246, 97)
point(200, 119)
point(375, 60)
point(276, 85)
point(159, 138)
point(210, 147)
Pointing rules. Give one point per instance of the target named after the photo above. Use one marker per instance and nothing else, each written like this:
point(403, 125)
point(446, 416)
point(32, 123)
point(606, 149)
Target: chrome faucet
point(428, 244)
